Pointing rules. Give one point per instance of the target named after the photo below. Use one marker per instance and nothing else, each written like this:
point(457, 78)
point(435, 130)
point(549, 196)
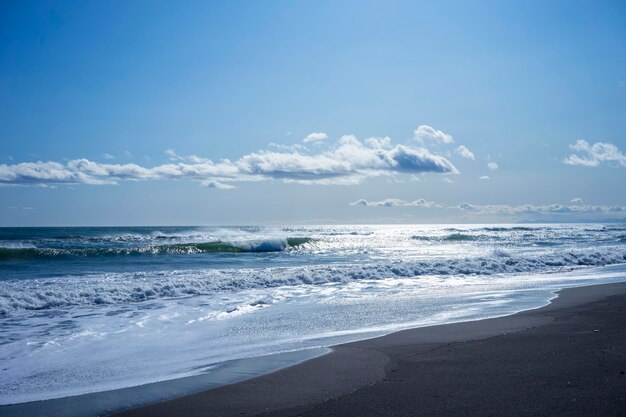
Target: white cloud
point(492, 166)
point(20, 207)
point(448, 180)
point(347, 162)
point(290, 148)
point(350, 159)
point(464, 152)
point(501, 209)
point(484, 178)
point(217, 184)
point(593, 155)
point(173, 156)
point(108, 156)
point(395, 202)
point(576, 200)
point(41, 173)
point(540, 209)
point(425, 132)
point(315, 137)
point(381, 143)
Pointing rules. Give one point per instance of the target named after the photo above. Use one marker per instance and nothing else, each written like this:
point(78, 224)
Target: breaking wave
point(263, 245)
point(510, 229)
point(454, 237)
point(114, 288)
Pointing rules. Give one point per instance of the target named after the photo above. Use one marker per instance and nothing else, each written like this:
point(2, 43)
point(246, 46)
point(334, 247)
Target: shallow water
point(92, 309)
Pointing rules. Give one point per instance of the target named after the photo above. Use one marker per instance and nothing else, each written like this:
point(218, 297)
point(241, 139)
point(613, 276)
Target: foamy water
point(91, 309)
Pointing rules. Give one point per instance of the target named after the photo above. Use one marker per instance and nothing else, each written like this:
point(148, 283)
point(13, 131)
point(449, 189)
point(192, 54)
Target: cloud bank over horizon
point(576, 206)
point(318, 160)
point(348, 161)
point(396, 202)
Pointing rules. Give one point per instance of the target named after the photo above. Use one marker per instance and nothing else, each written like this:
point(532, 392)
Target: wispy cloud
point(425, 132)
point(499, 209)
point(593, 155)
point(395, 202)
point(20, 207)
point(484, 178)
point(540, 209)
point(348, 161)
point(492, 166)
point(464, 152)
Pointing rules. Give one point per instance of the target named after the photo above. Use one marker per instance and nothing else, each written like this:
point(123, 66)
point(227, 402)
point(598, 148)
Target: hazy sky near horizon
point(236, 112)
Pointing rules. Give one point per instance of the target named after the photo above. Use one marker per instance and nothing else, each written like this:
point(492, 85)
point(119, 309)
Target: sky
point(282, 112)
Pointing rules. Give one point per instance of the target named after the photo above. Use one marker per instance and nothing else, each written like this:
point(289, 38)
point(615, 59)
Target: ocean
point(90, 309)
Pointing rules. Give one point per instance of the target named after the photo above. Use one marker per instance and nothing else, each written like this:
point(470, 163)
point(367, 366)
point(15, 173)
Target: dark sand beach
point(565, 359)
point(312, 208)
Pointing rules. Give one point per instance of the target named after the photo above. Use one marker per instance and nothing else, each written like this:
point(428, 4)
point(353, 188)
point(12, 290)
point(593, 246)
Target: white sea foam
point(93, 348)
point(120, 288)
point(16, 245)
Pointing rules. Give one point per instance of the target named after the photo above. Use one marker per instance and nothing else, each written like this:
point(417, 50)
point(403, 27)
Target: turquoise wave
point(273, 245)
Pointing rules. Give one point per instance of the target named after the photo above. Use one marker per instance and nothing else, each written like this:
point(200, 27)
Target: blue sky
point(124, 113)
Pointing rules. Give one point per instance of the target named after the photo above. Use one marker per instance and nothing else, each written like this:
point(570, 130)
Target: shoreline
point(103, 403)
point(371, 377)
point(361, 362)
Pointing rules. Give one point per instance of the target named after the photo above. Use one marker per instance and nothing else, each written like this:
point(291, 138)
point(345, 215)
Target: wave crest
point(114, 288)
point(261, 245)
point(453, 237)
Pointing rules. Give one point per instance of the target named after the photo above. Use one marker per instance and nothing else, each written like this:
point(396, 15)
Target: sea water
point(91, 309)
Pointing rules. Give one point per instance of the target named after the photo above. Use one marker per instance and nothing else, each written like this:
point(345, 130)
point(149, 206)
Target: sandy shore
point(565, 359)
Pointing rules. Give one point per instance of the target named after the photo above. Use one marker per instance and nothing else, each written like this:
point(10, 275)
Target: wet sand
point(565, 359)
